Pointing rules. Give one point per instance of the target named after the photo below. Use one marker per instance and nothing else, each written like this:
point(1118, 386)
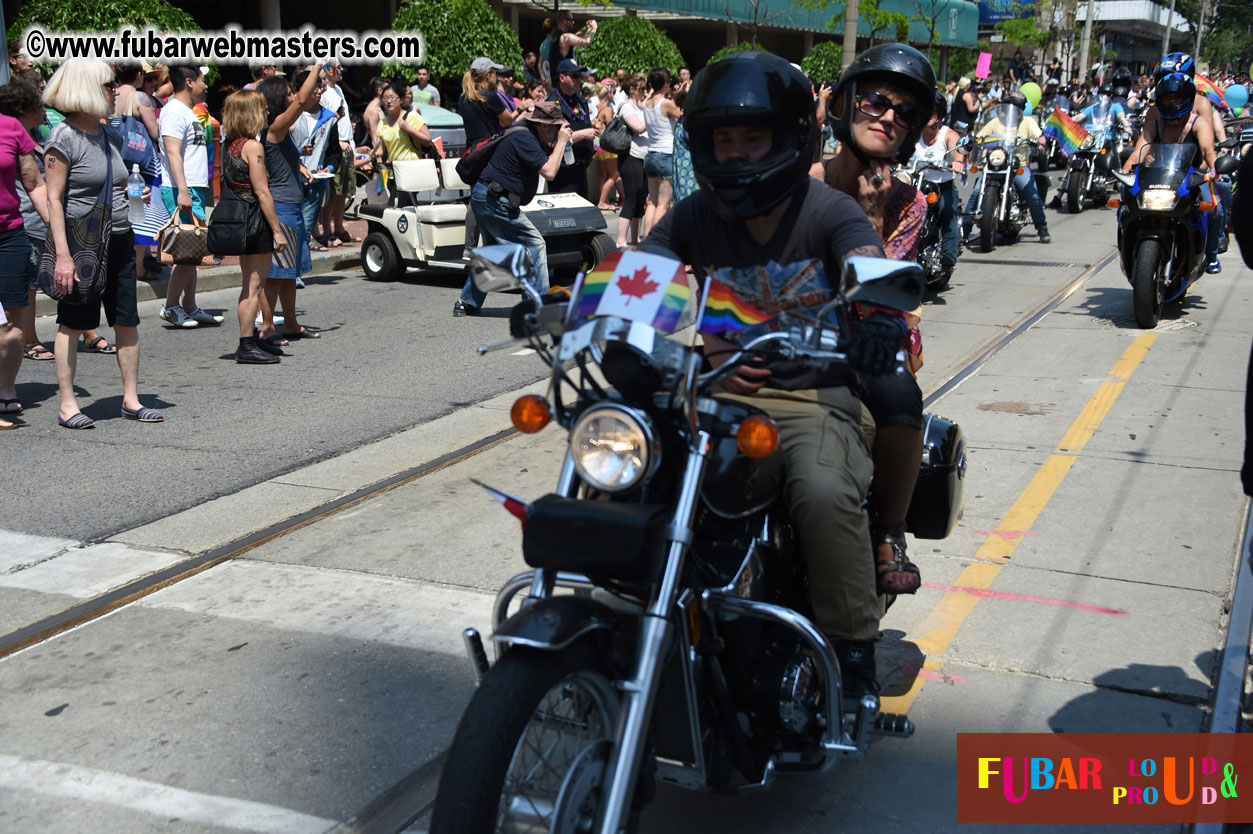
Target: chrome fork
point(656, 632)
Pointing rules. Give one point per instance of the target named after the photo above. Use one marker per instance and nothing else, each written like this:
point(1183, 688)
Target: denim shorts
point(657, 164)
point(14, 268)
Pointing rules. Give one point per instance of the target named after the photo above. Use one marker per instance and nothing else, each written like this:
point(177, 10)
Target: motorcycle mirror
point(1126, 179)
point(897, 285)
point(502, 266)
point(1226, 165)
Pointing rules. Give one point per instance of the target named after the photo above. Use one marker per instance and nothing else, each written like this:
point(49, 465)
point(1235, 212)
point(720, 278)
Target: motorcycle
point(929, 237)
point(1162, 225)
point(680, 648)
point(999, 207)
point(1102, 152)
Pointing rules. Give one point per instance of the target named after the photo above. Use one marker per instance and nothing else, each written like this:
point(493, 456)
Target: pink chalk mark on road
point(984, 592)
point(939, 677)
point(1006, 534)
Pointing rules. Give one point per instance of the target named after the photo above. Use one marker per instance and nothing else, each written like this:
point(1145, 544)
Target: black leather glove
point(876, 341)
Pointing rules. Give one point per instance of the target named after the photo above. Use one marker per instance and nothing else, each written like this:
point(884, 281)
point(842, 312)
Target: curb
point(212, 278)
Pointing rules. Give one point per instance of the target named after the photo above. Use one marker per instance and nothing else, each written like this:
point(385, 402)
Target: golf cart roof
point(436, 116)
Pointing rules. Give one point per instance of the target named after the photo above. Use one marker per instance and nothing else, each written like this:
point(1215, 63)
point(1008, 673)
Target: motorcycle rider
point(763, 228)
point(1174, 119)
point(935, 143)
point(878, 111)
point(1105, 96)
point(1024, 183)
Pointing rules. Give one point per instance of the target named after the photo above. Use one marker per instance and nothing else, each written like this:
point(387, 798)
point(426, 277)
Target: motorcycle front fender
point(552, 624)
point(1078, 163)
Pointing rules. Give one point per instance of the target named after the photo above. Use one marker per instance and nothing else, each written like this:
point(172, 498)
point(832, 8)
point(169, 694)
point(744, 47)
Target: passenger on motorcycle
point(1098, 109)
point(1172, 120)
point(763, 228)
point(878, 111)
point(1024, 183)
point(935, 146)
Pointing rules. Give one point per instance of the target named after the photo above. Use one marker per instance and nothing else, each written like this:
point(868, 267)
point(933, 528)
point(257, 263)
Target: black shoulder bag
point(88, 240)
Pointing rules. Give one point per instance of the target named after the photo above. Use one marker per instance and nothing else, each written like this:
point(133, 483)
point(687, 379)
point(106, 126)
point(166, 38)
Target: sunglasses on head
point(876, 104)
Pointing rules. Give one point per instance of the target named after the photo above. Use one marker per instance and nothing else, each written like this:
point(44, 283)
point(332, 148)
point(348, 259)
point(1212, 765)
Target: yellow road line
point(938, 630)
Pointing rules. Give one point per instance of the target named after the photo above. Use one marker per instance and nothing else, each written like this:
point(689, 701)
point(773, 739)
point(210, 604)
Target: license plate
point(564, 223)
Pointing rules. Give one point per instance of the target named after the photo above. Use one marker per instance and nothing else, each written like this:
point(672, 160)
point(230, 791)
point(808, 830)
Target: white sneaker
point(175, 316)
point(202, 317)
point(278, 321)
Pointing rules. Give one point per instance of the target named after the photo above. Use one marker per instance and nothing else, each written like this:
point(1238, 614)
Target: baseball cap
point(482, 65)
point(569, 67)
point(505, 70)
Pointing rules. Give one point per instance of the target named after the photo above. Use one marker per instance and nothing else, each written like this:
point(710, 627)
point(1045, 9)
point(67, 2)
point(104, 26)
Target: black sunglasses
point(876, 104)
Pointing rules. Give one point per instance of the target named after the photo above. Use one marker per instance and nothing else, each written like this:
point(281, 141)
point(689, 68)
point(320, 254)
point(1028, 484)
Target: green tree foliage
point(1024, 32)
point(102, 16)
point(455, 32)
point(633, 43)
point(884, 25)
point(742, 46)
point(823, 61)
point(963, 61)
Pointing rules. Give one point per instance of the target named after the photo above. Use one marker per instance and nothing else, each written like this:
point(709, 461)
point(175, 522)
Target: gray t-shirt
point(30, 218)
point(85, 153)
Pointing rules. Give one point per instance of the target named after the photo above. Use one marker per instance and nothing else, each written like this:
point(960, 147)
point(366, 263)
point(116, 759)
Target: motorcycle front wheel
point(987, 220)
point(1074, 193)
point(533, 745)
point(1146, 290)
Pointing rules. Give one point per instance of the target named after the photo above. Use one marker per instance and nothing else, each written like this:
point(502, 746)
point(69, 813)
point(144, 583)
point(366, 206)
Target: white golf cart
point(430, 232)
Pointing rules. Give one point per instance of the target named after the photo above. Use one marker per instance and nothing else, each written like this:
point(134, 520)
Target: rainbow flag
point(1068, 133)
point(637, 286)
point(725, 312)
point(1204, 85)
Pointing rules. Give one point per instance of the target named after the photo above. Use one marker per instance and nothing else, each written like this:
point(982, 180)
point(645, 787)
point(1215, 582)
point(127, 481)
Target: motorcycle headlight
point(1158, 200)
point(997, 158)
point(613, 448)
point(1088, 143)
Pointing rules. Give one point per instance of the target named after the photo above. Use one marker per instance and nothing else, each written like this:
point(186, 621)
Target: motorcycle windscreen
point(998, 129)
point(1165, 164)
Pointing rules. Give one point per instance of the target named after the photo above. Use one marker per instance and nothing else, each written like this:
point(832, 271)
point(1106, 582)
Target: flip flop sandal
point(302, 333)
point(39, 352)
point(94, 347)
point(316, 246)
point(5, 425)
point(143, 415)
point(5, 407)
point(76, 421)
point(346, 237)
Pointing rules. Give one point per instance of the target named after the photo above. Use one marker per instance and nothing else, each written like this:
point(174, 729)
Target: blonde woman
point(609, 179)
point(484, 115)
point(244, 176)
point(79, 150)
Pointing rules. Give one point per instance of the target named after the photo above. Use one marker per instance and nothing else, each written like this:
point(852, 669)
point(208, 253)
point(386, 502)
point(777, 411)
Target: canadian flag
point(633, 285)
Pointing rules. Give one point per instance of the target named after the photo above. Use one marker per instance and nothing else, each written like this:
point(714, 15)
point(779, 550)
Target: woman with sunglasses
point(878, 111)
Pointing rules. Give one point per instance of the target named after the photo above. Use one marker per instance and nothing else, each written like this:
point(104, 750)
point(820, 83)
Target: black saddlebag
point(939, 493)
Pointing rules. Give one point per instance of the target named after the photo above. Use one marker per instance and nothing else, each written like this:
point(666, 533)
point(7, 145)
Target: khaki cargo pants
point(826, 443)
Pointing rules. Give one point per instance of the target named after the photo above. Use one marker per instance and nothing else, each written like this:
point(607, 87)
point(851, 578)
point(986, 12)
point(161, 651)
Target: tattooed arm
point(865, 252)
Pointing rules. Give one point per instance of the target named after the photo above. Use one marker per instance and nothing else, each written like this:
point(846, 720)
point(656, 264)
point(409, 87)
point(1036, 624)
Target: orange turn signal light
point(1206, 205)
point(1019, 172)
point(530, 413)
point(757, 437)
point(974, 169)
point(933, 198)
point(1114, 202)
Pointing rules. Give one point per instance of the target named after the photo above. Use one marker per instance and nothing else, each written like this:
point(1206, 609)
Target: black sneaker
point(463, 309)
point(857, 668)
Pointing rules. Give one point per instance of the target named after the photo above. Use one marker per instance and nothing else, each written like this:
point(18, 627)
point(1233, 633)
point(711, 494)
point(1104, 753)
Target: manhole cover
point(1128, 322)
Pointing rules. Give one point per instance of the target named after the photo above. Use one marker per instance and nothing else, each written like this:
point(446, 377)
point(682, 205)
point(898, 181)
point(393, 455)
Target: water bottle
point(568, 156)
point(135, 195)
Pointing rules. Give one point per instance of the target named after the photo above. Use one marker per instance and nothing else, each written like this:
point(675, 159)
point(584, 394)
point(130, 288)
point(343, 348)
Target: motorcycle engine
point(787, 687)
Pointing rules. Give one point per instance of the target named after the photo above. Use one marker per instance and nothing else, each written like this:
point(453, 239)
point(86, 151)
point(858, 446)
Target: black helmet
point(750, 88)
point(1017, 99)
point(941, 107)
point(1105, 90)
point(904, 67)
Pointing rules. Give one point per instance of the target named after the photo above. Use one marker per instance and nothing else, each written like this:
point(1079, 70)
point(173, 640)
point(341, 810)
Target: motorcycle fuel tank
point(735, 485)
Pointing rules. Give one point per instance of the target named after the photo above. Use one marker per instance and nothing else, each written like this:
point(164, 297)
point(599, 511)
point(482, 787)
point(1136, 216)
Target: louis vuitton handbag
point(185, 244)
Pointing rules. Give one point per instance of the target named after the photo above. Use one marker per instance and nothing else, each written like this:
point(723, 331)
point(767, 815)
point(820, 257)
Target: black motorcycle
point(1162, 225)
point(1051, 156)
point(664, 632)
point(930, 249)
point(1090, 178)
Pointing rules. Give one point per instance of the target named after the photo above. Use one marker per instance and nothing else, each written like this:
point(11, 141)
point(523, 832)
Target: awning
point(957, 20)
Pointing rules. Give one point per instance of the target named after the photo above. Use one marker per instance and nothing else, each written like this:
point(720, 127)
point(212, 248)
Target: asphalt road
point(391, 356)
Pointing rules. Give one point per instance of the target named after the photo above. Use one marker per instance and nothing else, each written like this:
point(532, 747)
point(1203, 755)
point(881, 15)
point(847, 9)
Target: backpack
point(472, 164)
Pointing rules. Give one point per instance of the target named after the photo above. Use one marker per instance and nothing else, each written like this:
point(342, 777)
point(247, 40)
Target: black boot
point(857, 668)
point(250, 353)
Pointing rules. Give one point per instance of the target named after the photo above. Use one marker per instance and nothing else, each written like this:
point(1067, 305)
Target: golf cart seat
point(452, 181)
point(416, 175)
